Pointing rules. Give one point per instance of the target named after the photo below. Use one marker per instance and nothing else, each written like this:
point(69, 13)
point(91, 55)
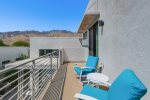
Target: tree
point(2, 43)
point(21, 43)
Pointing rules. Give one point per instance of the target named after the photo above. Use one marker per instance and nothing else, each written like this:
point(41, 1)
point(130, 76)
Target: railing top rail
point(15, 66)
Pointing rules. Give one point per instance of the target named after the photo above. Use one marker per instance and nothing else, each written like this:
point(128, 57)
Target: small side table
point(98, 78)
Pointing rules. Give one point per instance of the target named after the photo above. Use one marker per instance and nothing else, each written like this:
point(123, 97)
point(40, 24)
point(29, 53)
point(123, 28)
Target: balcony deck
point(64, 85)
point(72, 84)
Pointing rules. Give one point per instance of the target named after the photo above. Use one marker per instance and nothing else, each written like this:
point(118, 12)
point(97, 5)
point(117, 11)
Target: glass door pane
point(93, 40)
point(97, 38)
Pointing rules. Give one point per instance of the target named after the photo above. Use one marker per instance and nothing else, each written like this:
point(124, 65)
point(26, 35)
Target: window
point(45, 51)
point(84, 35)
point(85, 39)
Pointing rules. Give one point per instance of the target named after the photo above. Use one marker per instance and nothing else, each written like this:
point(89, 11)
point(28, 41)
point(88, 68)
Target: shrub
point(23, 56)
point(2, 43)
point(21, 43)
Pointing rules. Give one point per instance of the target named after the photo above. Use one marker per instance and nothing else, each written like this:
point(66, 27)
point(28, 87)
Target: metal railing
point(28, 80)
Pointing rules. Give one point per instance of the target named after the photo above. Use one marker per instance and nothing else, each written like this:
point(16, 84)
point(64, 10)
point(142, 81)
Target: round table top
point(97, 77)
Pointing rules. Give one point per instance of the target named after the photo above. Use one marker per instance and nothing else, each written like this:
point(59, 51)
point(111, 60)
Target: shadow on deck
point(54, 91)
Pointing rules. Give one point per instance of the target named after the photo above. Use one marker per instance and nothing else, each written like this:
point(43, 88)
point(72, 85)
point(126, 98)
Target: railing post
point(60, 57)
point(57, 55)
point(20, 87)
point(50, 61)
point(50, 58)
point(33, 81)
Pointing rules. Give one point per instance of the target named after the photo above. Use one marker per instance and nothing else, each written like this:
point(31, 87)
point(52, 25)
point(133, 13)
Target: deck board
point(54, 91)
point(72, 84)
point(64, 85)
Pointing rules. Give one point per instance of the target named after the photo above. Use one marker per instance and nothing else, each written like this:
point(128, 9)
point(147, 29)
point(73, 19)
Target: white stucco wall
point(75, 54)
point(71, 46)
point(126, 38)
point(11, 53)
point(92, 6)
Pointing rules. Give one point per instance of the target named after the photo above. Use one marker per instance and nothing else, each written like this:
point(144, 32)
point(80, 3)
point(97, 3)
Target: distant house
point(11, 54)
point(70, 46)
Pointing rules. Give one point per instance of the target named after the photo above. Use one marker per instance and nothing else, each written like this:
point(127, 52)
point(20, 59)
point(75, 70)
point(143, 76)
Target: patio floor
point(72, 84)
point(64, 85)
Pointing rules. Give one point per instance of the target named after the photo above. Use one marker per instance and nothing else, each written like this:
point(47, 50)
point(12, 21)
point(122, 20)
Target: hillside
point(10, 37)
point(35, 32)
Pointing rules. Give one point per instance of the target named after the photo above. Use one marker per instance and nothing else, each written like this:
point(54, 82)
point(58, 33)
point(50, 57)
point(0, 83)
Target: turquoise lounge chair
point(90, 67)
point(126, 87)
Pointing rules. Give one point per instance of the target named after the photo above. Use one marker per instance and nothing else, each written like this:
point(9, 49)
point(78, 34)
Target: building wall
point(72, 49)
point(75, 54)
point(11, 53)
point(125, 42)
point(92, 6)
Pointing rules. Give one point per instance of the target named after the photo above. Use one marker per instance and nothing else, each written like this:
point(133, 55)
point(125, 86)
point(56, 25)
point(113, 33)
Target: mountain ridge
point(13, 36)
point(36, 32)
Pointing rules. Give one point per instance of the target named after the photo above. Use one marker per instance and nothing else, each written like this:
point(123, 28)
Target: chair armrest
point(104, 86)
point(84, 97)
point(87, 68)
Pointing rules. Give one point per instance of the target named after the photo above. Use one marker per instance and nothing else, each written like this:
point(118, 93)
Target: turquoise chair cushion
point(92, 61)
point(94, 92)
point(85, 71)
point(127, 87)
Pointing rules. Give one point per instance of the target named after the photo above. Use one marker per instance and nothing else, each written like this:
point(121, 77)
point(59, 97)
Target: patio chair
point(126, 87)
point(89, 67)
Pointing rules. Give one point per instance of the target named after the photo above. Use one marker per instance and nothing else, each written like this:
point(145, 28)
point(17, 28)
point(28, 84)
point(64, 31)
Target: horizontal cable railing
point(28, 80)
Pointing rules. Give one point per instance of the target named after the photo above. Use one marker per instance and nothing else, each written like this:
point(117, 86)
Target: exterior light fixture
point(101, 23)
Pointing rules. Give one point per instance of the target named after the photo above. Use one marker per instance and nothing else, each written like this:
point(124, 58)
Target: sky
point(41, 15)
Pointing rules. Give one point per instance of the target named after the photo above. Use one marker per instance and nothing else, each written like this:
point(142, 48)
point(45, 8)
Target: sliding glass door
point(93, 40)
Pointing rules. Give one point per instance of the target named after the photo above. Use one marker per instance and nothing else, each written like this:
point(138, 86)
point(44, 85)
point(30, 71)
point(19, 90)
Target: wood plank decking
point(64, 85)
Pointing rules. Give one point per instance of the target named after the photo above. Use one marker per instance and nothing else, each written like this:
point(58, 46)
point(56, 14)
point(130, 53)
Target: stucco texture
point(125, 42)
point(126, 38)
point(71, 47)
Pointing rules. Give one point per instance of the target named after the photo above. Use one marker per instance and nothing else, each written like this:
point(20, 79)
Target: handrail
point(30, 77)
point(10, 68)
